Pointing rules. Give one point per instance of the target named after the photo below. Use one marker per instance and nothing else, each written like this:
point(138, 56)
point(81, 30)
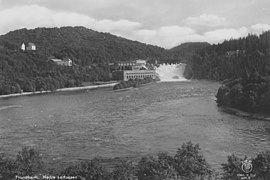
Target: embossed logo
point(246, 166)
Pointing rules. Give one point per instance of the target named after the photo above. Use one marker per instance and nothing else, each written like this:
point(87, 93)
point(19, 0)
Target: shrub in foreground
point(160, 167)
point(190, 163)
point(260, 166)
point(89, 169)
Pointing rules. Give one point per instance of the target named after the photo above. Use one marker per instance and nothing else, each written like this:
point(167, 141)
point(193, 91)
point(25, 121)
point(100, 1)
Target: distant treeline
point(187, 164)
point(232, 59)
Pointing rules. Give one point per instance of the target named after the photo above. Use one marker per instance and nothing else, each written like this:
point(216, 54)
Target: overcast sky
point(165, 23)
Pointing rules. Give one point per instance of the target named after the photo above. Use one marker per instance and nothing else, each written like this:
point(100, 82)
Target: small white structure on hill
point(141, 62)
point(67, 62)
point(23, 47)
point(64, 62)
point(30, 47)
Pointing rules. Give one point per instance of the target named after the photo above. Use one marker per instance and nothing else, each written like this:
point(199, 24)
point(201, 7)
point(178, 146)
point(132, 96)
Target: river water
point(159, 117)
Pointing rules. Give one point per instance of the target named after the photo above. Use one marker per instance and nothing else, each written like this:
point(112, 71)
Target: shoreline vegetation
point(244, 114)
point(188, 163)
point(93, 86)
point(249, 94)
point(132, 83)
point(244, 68)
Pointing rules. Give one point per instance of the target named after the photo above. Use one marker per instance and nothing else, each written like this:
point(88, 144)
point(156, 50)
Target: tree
point(232, 167)
point(29, 162)
point(89, 169)
point(190, 163)
point(159, 168)
point(7, 167)
point(261, 165)
point(126, 170)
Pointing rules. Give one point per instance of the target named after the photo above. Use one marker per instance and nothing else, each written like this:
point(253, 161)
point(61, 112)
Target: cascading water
point(171, 72)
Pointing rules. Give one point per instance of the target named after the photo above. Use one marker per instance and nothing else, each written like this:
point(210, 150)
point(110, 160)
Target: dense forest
point(90, 51)
point(31, 71)
point(244, 66)
point(232, 59)
point(186, 51)
point(251, 94)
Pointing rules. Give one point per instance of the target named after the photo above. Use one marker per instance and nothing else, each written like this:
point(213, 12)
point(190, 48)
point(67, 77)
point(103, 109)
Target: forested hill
point(82, 45)
point(232, 59)
point(187, 50)
point(90, 51)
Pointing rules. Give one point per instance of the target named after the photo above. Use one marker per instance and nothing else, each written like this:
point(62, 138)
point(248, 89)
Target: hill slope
point(83, 45)
point(232, 59)
point(245, 65)
point(91, 51)
point(187, 50)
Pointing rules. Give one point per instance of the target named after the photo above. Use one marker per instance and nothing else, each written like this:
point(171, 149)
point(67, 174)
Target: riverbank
point(132, 83)
point(59, 90)
point(243, 114)
point(249, 94)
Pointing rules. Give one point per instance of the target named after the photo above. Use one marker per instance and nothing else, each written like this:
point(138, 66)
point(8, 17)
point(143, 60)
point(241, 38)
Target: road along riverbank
point(59, 90)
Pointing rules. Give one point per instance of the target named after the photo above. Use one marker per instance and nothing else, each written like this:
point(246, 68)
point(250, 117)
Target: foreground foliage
point(261, 166)
point(187, 164)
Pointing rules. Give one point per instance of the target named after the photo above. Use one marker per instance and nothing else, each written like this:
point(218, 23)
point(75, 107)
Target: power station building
point(132, 70)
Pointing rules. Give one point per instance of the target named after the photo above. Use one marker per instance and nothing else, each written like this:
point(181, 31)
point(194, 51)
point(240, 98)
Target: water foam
point(11, 106)
point(171, 72)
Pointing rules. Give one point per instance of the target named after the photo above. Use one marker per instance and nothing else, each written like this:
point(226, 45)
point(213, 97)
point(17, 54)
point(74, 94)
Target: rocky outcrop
point(250, 94)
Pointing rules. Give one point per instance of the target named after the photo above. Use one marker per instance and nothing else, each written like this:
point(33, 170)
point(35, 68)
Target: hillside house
point(62, 62)
point(67, 62)
point(140, 62)
point(23, 47)
point(31, 47)
point(234, 53)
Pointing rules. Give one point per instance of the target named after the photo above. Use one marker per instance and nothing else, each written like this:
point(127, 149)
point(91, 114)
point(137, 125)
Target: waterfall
point(171, 72)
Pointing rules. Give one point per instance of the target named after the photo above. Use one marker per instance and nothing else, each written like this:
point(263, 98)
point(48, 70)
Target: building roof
point(56, 60)
point(140, 61)
point(31, 44)
point(66, 59)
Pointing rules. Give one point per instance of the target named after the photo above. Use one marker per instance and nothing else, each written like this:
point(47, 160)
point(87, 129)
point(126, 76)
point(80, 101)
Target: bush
point(29, 162)
point(232, 167)
point(190, 163)
point(89, 169)
point(261, 165)
point(125, 171)
point(156, 168)
point(7, 167)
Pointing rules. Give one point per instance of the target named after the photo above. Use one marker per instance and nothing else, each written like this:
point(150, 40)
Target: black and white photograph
point(134, 89)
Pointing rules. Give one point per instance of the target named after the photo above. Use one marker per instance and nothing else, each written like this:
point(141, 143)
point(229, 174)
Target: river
point(160, 117)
